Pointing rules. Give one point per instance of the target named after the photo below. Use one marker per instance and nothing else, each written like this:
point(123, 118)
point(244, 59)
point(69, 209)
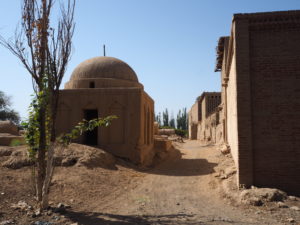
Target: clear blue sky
point(169, 43)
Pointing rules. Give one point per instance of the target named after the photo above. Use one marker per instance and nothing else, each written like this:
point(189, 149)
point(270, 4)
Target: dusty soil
point(186, 188)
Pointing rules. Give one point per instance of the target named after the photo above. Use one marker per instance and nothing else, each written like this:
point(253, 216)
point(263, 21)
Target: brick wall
point(208, 127)
point(193, 121)
point(263, 99)
point(275, 89)
point(232, 127)
point(210, 130)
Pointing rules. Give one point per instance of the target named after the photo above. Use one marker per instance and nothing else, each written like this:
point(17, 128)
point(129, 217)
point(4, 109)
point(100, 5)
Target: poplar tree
point(182, 119)
point(44, 50)
point(172, 121)
point(166, 118)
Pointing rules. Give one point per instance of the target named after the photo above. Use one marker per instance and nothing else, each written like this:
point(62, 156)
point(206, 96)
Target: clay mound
point(82, 155)
point(74, 155)
point(17, 157)
point(5, 151)
point(258, 196)
point(8, 127)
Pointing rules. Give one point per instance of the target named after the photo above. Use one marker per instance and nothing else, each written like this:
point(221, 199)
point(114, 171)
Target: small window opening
point(92, 84)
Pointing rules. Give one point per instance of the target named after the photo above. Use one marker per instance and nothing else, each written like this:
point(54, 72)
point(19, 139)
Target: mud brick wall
point(268, 99)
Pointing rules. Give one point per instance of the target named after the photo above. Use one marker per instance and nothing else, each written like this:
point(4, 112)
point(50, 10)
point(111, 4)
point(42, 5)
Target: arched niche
point(117, 128)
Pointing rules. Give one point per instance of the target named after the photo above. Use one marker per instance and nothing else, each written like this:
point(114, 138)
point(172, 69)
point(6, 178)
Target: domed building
point(103, 86)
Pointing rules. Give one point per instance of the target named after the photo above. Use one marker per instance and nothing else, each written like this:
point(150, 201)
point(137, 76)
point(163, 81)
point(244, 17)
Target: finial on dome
point(104, 53)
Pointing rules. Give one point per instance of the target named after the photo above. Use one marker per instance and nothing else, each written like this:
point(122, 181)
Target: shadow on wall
point(92, 218)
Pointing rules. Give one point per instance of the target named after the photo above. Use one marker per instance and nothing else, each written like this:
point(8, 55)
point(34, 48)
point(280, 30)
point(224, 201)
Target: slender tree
point(172, 121)
point(182, 119)
point(178, 119)
point(165, 118)
point(45, 52)
point(158, 118)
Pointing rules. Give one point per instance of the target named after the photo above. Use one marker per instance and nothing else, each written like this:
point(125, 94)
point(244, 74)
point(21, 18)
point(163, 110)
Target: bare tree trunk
point(41, 163)
point(49, 174)
point(43, 110)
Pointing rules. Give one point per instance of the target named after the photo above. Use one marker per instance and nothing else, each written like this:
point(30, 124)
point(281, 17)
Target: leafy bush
point(181, 133)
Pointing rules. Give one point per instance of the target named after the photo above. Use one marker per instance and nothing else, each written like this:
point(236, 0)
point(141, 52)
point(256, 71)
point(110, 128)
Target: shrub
point(181, 133)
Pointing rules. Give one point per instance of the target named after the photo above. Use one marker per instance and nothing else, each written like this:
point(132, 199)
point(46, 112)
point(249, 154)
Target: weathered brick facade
point(260, 69)
point(204, 118)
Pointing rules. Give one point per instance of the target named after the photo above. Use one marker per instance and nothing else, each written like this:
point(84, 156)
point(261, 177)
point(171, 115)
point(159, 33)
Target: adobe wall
point(211, 100)
point(204, 118)
point(146, 142)
point(235, 101)
point(125, 135)
point(194, 113)
point(231, 120)
point(275, 100)
point(210, 130)
point(193, 121)
point(8, 127)
point(8, 133)
point(263, 95)
point(203, 109)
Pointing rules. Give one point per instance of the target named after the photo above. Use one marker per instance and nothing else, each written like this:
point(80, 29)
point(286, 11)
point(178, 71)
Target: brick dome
point(104, 72)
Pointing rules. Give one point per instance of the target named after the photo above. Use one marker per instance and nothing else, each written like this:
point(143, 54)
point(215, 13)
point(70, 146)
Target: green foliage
point(180, 132)
point(83, 126)
point(165, 118)
point(6, 113)
point(16, 142)
point(158, 119)
point(182, 119)
point(172, 123)
point(32, 124)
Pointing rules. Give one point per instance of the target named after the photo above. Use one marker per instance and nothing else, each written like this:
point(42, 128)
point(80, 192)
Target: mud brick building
point(9, 133)
point(204, 118)
point(103, 86)
point(260, 70)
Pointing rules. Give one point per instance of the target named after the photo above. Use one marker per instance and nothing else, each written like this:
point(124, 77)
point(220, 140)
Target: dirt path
point(182, 190)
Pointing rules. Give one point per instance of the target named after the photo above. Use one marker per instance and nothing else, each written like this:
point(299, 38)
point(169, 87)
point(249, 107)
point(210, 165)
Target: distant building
point(104, 86)
point(9, 134)
point(204, 118)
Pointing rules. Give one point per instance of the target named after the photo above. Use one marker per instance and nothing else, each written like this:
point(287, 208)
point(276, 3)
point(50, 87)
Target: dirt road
point(182, 190)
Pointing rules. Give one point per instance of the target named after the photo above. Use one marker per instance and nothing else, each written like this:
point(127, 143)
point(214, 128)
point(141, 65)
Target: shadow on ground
point(175, 165)
point(93, 218)
point(171, 163)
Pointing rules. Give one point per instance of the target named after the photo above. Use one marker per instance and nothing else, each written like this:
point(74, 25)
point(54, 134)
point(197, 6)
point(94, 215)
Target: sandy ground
point(183, 189)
